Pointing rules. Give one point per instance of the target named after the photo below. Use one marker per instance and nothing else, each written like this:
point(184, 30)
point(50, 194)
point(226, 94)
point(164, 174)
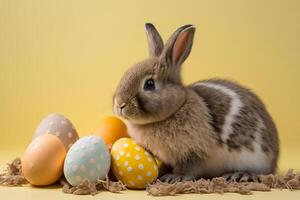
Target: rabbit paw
point(173, 178)
point(240, 177)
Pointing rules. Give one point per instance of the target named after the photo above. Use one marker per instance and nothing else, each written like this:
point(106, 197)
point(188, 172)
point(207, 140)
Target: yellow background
point(68, 56)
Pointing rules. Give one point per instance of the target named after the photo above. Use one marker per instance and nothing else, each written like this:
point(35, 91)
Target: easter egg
point(132, 165)
point(57, 124)
point(88, 158)
point(42, 162)
point(111, 129)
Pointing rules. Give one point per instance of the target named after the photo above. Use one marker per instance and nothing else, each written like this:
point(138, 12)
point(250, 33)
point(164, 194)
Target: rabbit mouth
point(123, 111)
point(130, 113)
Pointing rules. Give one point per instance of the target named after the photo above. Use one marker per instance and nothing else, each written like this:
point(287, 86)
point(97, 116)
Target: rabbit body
point(205, 129)
point(203, 138)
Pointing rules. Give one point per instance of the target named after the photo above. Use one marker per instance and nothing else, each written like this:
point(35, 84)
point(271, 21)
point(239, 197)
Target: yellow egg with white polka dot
point(133, 165)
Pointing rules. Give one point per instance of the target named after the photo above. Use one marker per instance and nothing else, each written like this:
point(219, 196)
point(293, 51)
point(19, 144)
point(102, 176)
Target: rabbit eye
point(149, 84)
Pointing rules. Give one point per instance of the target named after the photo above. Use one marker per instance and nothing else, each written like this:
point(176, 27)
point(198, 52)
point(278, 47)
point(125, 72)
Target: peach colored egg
point(111, 129)
point(42, 162)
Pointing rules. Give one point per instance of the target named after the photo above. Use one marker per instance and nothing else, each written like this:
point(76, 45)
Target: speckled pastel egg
point(133, 165)
point(42, 162)
point(59, 125)
point(88, 158)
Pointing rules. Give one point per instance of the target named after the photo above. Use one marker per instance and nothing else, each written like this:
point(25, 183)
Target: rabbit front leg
point(184, 171)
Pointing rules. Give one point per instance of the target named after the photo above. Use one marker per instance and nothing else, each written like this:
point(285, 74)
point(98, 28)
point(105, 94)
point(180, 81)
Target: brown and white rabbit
point(206, 129)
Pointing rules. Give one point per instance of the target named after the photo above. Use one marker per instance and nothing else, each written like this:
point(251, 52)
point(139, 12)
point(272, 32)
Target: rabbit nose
point(119, 103)
point(119, 108)
point(122, 105)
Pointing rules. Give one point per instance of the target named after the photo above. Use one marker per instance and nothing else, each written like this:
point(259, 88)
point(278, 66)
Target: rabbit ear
point(179, 46)
point(155, 43)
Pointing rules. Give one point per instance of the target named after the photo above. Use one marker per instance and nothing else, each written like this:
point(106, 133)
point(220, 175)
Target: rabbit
point(210, 128)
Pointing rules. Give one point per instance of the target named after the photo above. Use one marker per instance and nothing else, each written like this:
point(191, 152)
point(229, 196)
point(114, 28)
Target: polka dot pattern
point(59, 126)
point(132, 165)
point(88, 158)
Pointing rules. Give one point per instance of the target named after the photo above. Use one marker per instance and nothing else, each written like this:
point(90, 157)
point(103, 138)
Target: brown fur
point(183, 125)
point(218, 106)
point(163, 140)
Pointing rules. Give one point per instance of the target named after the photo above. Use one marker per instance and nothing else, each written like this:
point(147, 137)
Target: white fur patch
point(235, 107)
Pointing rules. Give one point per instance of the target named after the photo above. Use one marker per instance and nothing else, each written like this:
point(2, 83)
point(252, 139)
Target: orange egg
point(111, 129)
point(42, 162)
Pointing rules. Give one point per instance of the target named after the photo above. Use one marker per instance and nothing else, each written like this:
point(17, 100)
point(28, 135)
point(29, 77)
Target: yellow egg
point(42, 162)
point(111, 129)
point(132, 165)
